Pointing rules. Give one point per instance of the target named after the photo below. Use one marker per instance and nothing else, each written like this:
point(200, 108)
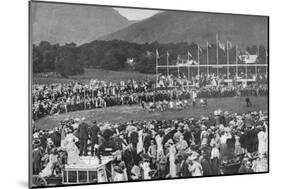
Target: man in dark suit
point(94, 130)
point(184, 171)
point(206, 166)
point(83, 138)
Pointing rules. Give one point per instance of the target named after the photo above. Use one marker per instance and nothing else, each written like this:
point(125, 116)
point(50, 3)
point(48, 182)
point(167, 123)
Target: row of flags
point(246, 58)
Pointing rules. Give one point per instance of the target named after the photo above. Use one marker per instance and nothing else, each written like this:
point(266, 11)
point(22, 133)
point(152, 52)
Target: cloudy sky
point(136, 14)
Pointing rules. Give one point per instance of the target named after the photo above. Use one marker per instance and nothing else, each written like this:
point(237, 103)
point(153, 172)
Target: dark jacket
point(206, 167)
point(94, 130)
point(184, 171)
point(83, 131)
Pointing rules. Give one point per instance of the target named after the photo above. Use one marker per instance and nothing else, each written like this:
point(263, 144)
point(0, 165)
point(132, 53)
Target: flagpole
point(256, 71)
point(156, 67)
point(188, 65)
point(178, 66)
point(177, 63)
point(167, 63)
point(217, 54)
point(227, 59)
point(246, 71)
point(236, 60)
point(198, 61)
point(207, 59)
point(84, 98)
point(266, 66)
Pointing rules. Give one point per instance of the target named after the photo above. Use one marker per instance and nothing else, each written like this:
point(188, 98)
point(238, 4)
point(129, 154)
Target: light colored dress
point(215, 153)
point(146, 169)
point(172, 157)
point(238, 150)
point(71, 149)
point(195, 169)
point(204, 138)
point(260, 165)
point(181, 146)
point(140, 142)
point(119, 177)
point(159, 144)
point(262, 148)
point(224, 151)
point(47, 171)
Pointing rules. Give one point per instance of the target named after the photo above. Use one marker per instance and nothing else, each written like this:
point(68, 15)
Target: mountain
point(62, 23)
point(172, 26)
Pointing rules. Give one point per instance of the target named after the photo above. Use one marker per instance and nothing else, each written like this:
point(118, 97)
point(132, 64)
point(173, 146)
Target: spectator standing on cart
point(83, 138)
point(94, 130)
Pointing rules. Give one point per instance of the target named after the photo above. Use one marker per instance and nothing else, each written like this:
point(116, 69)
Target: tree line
point(70, 59)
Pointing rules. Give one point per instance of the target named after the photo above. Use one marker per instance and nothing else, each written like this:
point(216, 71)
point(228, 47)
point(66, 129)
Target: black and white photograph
point(127, 94)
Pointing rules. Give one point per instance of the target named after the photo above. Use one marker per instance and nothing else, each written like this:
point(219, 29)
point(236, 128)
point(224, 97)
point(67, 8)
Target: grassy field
point(100, 74)
point(126, 113)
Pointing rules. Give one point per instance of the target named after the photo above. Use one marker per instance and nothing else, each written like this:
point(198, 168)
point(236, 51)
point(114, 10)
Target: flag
point(229, 44)
point(157, 54)
point(208, 44)
point(168, 54)
point(222, 46)
point(189, 55)
point(199, 49)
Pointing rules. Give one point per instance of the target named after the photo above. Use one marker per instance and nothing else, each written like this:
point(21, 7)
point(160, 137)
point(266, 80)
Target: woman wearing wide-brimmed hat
point(263, 140)
point(238, 149)
point(53, 160)
point(224, 149)
point(172, 158)
point(195, 167)
point(71, 148)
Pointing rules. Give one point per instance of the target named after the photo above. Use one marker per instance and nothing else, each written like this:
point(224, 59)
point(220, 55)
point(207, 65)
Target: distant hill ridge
point(173, 26)
point(63, 23)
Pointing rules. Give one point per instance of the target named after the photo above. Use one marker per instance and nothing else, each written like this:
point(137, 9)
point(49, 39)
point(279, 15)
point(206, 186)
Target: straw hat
point(77, 120)
point(49, 141)
point(193, 156)
point(227, 129)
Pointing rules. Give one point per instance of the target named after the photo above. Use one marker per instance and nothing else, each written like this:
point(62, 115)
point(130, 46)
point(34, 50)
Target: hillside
point(197, 27)
point(62, 23)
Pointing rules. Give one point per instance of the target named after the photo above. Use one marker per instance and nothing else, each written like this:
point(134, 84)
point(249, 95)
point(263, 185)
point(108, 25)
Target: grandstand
point(245, 69)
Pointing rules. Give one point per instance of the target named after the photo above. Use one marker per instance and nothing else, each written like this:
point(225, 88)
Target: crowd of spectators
point(60, 98)
point(204, 79)
point(218, 144)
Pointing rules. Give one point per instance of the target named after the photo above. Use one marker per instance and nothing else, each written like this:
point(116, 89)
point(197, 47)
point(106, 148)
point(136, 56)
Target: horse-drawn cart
point(88, 170)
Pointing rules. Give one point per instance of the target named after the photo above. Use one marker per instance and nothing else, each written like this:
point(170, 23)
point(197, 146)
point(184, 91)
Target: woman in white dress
point(160, 151)
point(238, 150)
point(204, 137)
point(48, 170)
point(145, 169)
point(140, 142)
point(194, 167)
point(182, 145)
point(262, 137)
point(260, 164)
point(71, 148)
point(224, 150)
point(172, 157)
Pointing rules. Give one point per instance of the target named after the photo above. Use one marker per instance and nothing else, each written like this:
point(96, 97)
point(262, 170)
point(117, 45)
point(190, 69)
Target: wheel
point(38, 181)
